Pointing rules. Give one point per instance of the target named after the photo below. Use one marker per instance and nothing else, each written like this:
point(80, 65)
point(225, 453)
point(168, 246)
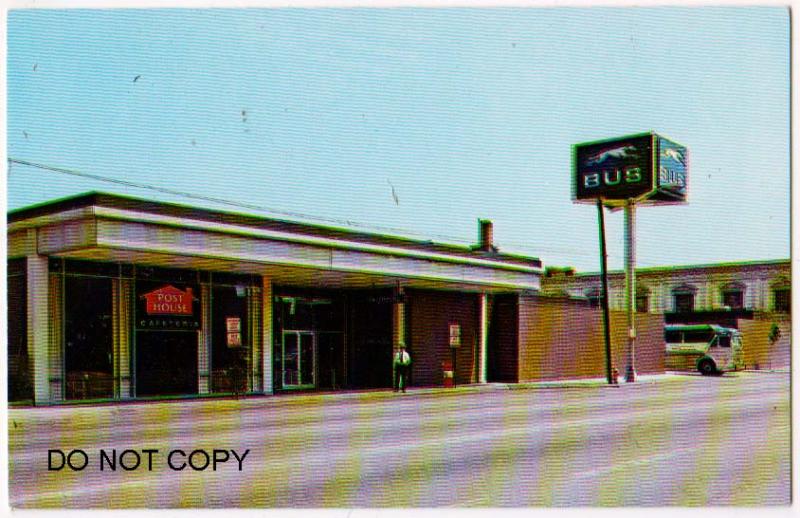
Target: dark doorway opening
point(330, 347)
point(370, 352)
point(503, 357)
point(166, 363)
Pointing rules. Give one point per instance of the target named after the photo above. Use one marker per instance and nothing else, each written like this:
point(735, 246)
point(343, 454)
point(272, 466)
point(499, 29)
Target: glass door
point(298, 359)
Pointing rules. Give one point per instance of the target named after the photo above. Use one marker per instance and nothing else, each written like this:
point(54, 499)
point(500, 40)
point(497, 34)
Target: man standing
point(402, 362)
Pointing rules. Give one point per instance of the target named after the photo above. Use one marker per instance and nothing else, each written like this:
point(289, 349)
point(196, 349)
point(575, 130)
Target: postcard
point(349, 258)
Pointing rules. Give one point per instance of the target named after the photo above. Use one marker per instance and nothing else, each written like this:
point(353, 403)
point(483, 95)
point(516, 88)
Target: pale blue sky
point(467, 113)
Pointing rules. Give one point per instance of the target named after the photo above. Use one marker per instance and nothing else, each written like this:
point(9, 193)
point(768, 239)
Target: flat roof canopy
point(103, 227)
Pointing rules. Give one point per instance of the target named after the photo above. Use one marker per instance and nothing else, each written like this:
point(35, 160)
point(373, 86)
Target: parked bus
point(709, 348)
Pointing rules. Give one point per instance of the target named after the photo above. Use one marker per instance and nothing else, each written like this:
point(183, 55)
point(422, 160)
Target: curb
point(768, 371)
point(382, 394)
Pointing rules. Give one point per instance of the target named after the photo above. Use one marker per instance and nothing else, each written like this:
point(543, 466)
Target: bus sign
point(639, 167)
point(673, 166)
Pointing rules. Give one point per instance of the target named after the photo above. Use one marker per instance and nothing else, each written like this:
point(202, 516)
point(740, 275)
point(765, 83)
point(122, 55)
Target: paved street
point(670, 440)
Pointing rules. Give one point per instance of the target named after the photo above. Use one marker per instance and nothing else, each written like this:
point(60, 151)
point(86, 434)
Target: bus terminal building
point(118, 298)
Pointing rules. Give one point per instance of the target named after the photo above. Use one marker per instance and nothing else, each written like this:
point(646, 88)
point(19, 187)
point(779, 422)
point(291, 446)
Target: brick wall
point(429, 315)
point(758, 352)
point(562, 339)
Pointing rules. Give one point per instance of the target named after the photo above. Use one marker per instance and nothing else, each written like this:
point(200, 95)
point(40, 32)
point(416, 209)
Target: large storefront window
point(166, 363)
point(88, 337)
point(123, 330)
point(168, 319)
point(20, 386)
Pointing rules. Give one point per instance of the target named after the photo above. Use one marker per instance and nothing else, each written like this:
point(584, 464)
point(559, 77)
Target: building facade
point(115, 298)
point(763, 286)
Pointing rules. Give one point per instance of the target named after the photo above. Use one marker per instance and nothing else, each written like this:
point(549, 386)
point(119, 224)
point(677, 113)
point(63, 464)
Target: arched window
point(683, 298)
point(733, 295)
point(642, 299)
point(781, 289)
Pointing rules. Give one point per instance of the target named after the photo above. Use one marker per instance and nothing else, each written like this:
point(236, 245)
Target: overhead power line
point(260, 208)
point(201, 197)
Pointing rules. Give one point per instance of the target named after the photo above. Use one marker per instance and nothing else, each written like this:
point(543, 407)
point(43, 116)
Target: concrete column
point(266, 334)
point(122, 313)
point(760, 292)
point(204, 342)
point(256, 380)
point(483, 335)
point(751, 293)
point(39, 330)
point(616, 297)
point(126, 339)
point(660, 298)
point(712, 295)
point(749, 299)
point(55, 353)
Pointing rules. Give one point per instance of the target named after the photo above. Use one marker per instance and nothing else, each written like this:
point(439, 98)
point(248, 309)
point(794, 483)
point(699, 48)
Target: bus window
point(698, 335)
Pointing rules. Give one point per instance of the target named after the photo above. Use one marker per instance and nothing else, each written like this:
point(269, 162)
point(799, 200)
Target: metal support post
point(604, 277)
point(483, 337)
point(630, 286)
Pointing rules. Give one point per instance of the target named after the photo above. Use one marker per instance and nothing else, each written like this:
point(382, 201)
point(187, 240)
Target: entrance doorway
point(311, 359)
point(310, 351)
point(166, 363)
point(297, 359)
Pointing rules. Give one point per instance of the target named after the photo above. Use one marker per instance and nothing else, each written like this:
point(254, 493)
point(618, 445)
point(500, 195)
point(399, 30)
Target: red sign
point(169, 300)
point(233, 324)
point(234, 339)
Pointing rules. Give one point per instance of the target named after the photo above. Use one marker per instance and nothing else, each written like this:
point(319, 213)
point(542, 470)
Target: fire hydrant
point(447, 374)
point(614, 376)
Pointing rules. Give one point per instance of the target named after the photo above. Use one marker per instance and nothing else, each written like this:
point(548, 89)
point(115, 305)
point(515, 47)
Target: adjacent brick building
point(751, 296)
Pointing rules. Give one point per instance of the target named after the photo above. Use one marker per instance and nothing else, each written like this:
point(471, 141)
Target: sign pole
point(644, 167)
point(604, 276)
point(630, 285)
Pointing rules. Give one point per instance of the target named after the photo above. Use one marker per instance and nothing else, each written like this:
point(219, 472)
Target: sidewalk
point(304, 398)
point(473, 388)
point(586, 383)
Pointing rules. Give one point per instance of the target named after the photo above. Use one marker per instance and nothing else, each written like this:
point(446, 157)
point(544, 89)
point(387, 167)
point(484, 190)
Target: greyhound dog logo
point(674, 154)
point(618, 152)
